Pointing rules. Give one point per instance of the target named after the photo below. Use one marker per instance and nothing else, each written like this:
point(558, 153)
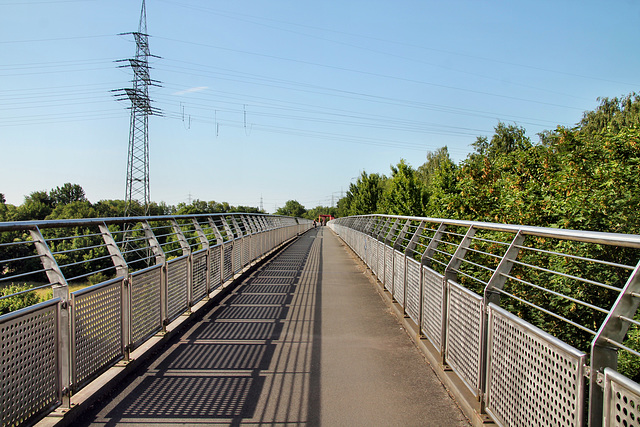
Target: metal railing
point(147, 272)
point(534, 321)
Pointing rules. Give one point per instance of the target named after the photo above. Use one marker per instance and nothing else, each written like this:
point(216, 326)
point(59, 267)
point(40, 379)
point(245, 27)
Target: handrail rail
point(581, 287)
point(619, 239)
point(80, 222)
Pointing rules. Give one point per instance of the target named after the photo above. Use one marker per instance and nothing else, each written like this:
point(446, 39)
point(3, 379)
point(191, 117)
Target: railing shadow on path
point(246, 361)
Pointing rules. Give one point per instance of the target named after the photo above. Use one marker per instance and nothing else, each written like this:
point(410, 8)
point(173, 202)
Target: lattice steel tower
point(137, 198)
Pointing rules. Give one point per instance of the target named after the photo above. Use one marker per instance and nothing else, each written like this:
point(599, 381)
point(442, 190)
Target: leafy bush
point(16, 302)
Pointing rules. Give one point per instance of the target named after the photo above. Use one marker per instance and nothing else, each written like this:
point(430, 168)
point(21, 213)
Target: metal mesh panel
point(215, 278)
point(533, 378)
point(621, 400)
point(199, 275)
point(227, 266)
point(433, 306)
point(413, 289)
point(388, 268)
point(464, 334)
point(29, 363)
point(97, 330)
point(146, 316)
point(177, 287)
point(398, 277)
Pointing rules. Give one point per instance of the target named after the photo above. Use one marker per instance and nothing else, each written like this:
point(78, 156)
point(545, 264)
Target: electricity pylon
point(137, 198)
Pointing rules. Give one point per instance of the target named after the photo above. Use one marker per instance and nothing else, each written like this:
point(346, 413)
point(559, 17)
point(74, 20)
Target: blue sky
point(279, 100)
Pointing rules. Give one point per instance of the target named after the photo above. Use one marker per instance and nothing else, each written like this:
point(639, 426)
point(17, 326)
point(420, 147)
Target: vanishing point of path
point(304, 340)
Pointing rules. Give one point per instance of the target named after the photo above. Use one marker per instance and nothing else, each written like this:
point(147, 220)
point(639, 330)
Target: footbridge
point(235, 319)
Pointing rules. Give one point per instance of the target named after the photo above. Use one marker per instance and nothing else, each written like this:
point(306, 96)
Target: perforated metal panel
point(237, 255)
point(29, 363)
point(177, 286)
point(381, 256)
point(433, 306)
point(413, 289)
point(146, 316)
point(464, 316)
point(215, 275)
point(388, 268)
point(374, 255)
point(367, 250)
point(255, 246)
point(199, 266)
point(398, 277)
point(228, 257)
point(533, 378)
point(97, 330)
point(246, 257)
point(621, 400)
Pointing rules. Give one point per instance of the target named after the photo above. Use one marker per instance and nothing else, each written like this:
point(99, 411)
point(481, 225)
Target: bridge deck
point(305, 339)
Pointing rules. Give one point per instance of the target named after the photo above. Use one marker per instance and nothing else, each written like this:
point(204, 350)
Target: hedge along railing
point(149, 270)
point(525, 316)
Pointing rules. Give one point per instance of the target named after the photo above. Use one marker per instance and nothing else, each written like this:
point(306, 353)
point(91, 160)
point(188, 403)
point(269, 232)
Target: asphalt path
point(304, 340)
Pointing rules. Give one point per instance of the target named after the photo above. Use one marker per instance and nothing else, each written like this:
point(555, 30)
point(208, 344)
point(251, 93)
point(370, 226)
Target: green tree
point(367, 195)
point(404, 195)
point(438, 176)
point(613, 114)
point(344, 203)
point(291, 208)
point(485, 180)
point(37, 205)
point(66, 194)
point(75, 209)
point(109, 208)
point(506, 139)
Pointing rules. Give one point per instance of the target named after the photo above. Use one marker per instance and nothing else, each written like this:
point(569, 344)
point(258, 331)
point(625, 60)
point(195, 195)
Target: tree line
point(586, 177)
point(69, 201)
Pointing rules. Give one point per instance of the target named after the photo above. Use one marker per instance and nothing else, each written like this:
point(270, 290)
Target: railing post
point(219, 241)
point(122, 269)
point(60, 289)
point(161, 259)
point(425, 261)
point(496, 282)
point(613, 329)
point(398, 246)
point(411, 246)
point(186, 250)
point(206, 247)
point(388, 242)
point(451, 274)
